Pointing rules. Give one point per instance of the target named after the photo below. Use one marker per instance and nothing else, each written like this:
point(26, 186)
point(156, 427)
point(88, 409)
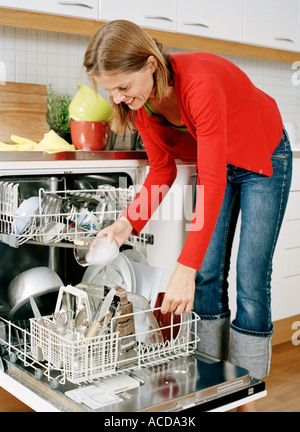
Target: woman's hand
point(179, 297)
point(118, 231)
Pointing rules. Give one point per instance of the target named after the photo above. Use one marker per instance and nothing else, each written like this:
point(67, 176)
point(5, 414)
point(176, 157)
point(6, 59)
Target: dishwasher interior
point(46, 239)
point(139, 362)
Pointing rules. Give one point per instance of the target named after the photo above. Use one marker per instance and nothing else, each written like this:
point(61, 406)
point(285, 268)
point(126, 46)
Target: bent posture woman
point(200, 107)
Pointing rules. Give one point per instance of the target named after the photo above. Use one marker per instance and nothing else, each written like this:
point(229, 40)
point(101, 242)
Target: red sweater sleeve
point(160, 178)
point(207, 111)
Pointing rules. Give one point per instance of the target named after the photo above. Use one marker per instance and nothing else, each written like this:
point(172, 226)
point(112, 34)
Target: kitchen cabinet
point(160, 15)
point(29, 19)
point(286, 273)
point(215, 19)
point(154, 14)
point(119, 9)
point(81, 9)
point(271, 23)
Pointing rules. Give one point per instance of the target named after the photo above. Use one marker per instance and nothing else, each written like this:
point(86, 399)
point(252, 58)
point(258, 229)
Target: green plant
point(58, 110)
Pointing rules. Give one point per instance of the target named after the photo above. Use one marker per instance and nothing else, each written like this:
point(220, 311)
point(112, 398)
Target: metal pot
point(40, 282)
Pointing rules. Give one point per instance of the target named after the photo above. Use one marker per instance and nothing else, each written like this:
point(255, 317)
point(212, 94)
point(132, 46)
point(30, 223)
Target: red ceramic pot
point(89, 135)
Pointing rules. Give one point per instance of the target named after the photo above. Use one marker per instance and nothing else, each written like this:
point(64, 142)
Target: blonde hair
point(122, 46)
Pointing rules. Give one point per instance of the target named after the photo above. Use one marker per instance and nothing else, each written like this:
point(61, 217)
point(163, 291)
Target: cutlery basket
point(83, 360)
point(79, 360)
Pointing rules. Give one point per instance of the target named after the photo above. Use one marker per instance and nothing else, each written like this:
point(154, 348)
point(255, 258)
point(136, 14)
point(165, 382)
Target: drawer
point(84, 9)
point(215, 18)
point(154, 14)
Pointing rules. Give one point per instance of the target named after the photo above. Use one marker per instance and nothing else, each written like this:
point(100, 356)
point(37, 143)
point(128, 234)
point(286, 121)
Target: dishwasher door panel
point(195, 383)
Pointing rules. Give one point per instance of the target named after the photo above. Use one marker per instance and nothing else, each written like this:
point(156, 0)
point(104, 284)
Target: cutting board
point(23, 109)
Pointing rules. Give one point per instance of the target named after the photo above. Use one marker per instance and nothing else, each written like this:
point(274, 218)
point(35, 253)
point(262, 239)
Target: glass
point(95, 251)
point(110, 276)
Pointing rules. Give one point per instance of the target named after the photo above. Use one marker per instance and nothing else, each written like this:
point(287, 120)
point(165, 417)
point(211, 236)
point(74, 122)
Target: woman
point(200, 107)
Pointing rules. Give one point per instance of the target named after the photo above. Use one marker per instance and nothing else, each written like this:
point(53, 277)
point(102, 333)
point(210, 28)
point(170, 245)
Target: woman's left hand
point(179, 297)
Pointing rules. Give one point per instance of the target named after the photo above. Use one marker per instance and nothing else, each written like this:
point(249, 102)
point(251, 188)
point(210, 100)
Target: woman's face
point(133, 88)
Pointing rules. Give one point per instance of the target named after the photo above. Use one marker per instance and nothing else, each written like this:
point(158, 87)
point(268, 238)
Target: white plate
point(132, 273)
point(135, 256)
point(48, 233)
point(148, 281)
point(122, 264)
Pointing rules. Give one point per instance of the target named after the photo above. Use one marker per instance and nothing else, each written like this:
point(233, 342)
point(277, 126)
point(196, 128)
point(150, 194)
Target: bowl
point(89, 135)
point(45, 301)
point(88, 105)
point(31, 282)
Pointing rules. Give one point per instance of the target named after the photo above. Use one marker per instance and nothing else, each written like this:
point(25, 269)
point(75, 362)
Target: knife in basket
point(104, 309)
point(36, 312)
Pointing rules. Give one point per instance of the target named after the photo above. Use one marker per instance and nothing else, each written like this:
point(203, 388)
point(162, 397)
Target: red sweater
point(229, 120)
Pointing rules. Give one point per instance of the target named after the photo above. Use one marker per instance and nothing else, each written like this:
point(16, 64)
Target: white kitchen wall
point(47, 57)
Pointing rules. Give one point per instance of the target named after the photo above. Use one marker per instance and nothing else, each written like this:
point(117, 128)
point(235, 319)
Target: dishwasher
point(136, 360)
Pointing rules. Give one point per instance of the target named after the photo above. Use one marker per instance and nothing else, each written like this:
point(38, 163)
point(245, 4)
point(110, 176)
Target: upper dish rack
point(61, 216)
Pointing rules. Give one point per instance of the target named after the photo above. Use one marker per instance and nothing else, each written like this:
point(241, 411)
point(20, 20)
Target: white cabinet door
point(215, 18)
point(120, 9)
point(271, 23)
point(286, 268)
point(155, 14)
point(81, 8)
point(160, 14)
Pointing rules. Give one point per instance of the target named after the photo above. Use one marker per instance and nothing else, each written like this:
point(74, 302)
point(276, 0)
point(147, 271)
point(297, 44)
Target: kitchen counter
point(71, 161)
point(72, 155)
point(46, 163)
point(112, 155)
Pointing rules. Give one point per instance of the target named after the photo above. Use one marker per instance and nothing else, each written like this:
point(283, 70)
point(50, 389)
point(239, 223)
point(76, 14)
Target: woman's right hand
point(118, 231)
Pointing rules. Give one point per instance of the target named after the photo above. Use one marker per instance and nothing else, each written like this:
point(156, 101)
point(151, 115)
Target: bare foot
point(249, 407)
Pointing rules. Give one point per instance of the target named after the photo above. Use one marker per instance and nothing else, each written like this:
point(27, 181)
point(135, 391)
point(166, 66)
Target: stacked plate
point(120, 272)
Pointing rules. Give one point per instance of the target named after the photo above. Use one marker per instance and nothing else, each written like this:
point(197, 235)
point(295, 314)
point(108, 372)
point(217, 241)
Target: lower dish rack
point(76, 359)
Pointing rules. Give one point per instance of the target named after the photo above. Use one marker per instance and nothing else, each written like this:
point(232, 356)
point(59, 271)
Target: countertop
point(98, 158)
point(29, 162)
point(17, 156)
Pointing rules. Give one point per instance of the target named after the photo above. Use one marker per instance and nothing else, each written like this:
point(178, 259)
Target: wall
point(47, 57)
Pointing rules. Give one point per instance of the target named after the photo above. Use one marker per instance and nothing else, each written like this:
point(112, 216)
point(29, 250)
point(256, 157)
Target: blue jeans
point(262, 201)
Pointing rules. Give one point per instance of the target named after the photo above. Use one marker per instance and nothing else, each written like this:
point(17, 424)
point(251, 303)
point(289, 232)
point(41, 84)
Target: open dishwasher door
point(162, 371)
point(195, 383)
point(49, 372)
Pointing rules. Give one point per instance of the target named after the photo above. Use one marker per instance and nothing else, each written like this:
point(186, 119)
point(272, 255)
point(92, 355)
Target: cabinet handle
point(72, 3)
point(283, 39)
point(195, 24)
point(163, 18)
